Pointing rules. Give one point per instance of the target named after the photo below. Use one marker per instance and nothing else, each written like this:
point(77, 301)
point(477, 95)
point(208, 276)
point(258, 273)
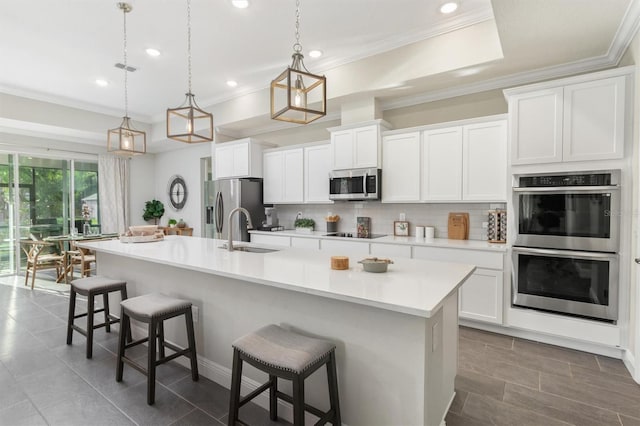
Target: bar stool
point(92, 287)
point(286, 355)
point(153, 309)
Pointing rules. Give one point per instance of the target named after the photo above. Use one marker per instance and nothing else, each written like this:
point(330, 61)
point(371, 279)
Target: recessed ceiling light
point(315, 53)
point(232, 83)
point(102, 83)
point(449, 7)
point(152, 52)
point(240, 4)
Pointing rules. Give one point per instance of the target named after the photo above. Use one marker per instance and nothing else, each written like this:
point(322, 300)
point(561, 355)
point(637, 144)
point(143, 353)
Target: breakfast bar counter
point(396, 332)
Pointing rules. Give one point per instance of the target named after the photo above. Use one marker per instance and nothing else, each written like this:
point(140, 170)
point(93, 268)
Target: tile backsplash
point(383, 215)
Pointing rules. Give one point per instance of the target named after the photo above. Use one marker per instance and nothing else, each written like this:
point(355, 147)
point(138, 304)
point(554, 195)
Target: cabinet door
point(273, 180)
point(401, 168)
point(309, 243)
point(293, 175)
point(224, 162)
point(316, 174)
point(365, 140)
point(442, 164)
point(274, 240)
point(391, 251)
point(594, 120)
point(481, 296)
point(535, 121)
point(342, 247)
point(241, 160)
point(342, 149)
point(484, 162)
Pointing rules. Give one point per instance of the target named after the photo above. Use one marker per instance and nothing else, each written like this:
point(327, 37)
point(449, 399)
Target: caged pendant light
point(188, 122)
point(296, 89)
point(125, 140)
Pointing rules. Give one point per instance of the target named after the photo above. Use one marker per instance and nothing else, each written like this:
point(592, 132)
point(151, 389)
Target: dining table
point(65, 243)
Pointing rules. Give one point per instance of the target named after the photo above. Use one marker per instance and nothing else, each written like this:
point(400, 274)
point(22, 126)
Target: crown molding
point(626, 31)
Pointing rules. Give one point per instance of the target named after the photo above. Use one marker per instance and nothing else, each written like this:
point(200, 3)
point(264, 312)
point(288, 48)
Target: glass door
point(7, 235)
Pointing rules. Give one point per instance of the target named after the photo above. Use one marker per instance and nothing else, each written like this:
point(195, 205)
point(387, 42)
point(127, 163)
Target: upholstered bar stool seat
point(153, 309)
point(287, 355)
point(92, 287)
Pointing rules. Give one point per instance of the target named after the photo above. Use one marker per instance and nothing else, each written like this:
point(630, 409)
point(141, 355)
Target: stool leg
point(123, 296)
point(161, 339)
point(332, 377)
point(273, 399)
point(193, 356)
point(72, 314)
point(298, 400)
point(236, 378)
point(151, 363)
point(90, 308)
point(105, 302)
point(124, 325)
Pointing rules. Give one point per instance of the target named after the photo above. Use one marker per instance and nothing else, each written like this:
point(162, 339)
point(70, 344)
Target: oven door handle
point(569, 189)
point(566, 253)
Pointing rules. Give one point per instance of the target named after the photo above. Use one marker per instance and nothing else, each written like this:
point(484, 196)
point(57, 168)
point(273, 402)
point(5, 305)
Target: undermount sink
point(251, 249)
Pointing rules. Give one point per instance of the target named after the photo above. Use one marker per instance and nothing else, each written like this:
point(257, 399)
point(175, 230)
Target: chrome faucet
point(230, 232)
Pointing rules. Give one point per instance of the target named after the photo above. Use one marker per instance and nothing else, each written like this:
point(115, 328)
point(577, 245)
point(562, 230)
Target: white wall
point(186, 163)
point(142, 186)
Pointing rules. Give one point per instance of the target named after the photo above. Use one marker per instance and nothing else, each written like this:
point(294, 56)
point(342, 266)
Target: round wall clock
point(177, 190)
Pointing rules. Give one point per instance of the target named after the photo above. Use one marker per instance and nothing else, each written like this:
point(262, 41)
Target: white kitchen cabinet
point(317, 165)
point(484, 161)
point(273, 240)
point(308, 243)
point(392, 251)
point(236, 159)
point(283, 176)
point(481, 296)
point(574, 119)
point(356, 146)
point(345, 248)
point(401, 166)
point(442, 164)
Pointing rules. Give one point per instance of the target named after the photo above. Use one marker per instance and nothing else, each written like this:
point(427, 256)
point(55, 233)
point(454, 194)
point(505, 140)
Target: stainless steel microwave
point(355, 184)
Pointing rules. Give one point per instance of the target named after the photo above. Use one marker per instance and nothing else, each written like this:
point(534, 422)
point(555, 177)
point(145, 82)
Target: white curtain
point(113, 175)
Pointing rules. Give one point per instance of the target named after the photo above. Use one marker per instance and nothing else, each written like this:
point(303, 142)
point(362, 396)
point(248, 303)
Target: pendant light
point(188, 122)
point(125, 140)
point(293, 91)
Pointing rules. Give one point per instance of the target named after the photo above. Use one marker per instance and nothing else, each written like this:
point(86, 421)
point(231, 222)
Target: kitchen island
point(396, 332)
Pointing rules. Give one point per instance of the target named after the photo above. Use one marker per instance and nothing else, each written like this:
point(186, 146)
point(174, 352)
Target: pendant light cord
point(297, 47)
point(189, 40)
point(126, 98)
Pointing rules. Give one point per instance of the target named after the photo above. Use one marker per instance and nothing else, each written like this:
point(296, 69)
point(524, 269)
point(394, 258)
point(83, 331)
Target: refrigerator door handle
point(219, 212)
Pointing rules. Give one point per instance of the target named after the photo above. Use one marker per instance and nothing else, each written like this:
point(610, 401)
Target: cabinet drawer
point(313, 243)
point(340, 247)
point(390, 250)
point(274, 240)
point(481, 259)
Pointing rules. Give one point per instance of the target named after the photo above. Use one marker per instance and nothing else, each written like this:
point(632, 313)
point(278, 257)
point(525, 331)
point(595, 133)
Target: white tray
point(141, 238)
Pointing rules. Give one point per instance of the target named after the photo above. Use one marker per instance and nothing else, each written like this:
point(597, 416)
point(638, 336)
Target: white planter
point(304, 230)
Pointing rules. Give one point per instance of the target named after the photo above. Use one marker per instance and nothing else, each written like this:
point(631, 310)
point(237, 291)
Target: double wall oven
point(565, 255)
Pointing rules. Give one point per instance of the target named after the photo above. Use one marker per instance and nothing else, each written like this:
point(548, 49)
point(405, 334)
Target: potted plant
point(172, 223)
point(153, 209)
point(304, 225)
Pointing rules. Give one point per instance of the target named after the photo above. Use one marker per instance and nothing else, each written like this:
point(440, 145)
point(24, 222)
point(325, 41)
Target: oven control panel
point(587, 179)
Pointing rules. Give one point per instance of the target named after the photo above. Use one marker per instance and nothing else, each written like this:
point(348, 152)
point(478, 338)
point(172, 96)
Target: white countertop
point(391, 239)
point(411, 286)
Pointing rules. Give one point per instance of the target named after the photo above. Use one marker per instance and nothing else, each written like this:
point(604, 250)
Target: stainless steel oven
point(573, 211)
point(566, 281)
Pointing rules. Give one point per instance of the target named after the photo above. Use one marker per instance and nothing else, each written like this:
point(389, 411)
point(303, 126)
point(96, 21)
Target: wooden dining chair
point(82, 257)
point(39, 257)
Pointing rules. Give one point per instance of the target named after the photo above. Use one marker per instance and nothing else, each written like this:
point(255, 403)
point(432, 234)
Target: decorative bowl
point(143, 230)
point(373, 264)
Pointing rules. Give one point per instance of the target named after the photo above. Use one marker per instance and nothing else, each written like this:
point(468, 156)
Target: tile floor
point(501, 380)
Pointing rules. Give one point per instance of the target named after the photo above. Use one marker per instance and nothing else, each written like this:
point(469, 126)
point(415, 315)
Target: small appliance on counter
point(271, 220)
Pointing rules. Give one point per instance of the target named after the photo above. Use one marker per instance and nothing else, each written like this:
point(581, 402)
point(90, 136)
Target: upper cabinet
point(357, 146)
point(237, 159)
point(464, 162)
point(297, 175)
point(576, 119)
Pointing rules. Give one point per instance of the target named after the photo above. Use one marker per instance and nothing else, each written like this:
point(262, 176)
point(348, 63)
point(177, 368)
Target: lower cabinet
point(313, 243)
point(480, 297)
point(274, 240)
point(391, 251)
point(341, 247)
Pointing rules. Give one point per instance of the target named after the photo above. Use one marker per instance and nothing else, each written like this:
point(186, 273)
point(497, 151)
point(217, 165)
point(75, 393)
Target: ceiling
point(54, 51)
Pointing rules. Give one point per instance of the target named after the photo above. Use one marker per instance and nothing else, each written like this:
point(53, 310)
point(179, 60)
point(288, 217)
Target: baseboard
point(222, 376)
point(612, 352)
point(444, 416)
point(630, 362)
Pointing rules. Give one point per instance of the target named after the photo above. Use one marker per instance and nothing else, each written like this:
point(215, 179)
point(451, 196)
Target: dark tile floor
point(509, 381)
point(501, 380)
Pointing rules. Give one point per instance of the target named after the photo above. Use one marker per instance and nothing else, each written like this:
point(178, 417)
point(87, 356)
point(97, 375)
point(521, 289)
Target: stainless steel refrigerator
point(222, 196)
